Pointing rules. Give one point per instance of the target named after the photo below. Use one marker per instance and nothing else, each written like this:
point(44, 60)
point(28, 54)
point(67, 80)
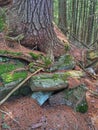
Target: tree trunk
point(62, 16)
point(5, 2)
point(33, 18)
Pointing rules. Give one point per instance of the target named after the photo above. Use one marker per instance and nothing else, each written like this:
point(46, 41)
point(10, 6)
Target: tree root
point(19, 85)
point(21, 57)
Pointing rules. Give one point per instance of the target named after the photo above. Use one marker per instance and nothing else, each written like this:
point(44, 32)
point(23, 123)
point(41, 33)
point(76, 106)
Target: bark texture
point(62, 21)
point(5, 2)
point(34, 19)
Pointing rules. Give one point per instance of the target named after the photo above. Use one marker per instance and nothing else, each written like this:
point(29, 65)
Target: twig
point(90, 91)
point(18, 70)
point(94, 77)
point(8, 114)
point(19, 85)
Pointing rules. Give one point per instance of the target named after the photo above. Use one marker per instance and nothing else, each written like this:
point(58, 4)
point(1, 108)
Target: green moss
point(55, 76)
point(68, 59)
point(3, 51)
point(2, 19)
point(34, 56)
point(31, 65)
point(8, 77)
point(76, 98)
point(1, 24)
point(82, 107)
point(6, 68)
point(47, 61)
point(11, 53)
point(67, 47)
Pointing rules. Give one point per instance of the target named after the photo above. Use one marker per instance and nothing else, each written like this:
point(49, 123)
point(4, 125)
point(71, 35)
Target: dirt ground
point(23, 113)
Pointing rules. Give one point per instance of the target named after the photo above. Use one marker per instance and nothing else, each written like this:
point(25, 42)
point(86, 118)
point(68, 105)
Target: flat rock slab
point(47, 82)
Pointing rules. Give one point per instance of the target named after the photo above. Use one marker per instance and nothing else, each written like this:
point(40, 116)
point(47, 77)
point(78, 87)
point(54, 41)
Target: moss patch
point(11, 53)
point(73, 73)
point(8, 67)
point(65, 62)
point(34, 56)
point(67, 47)
point(2, 19)
point(8, 77)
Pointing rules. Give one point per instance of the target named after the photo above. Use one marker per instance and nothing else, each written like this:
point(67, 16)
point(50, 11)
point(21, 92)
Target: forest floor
point(23, 113)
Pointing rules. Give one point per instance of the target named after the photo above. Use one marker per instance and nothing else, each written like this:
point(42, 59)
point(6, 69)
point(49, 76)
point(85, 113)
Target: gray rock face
point(65, 62)
point(75, 98)
point(47, 82)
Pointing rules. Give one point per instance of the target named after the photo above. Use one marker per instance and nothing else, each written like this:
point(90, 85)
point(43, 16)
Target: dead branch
point(91, 75)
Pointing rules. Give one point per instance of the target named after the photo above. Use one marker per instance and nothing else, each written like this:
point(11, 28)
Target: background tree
point(62, 21)
point(81, 17)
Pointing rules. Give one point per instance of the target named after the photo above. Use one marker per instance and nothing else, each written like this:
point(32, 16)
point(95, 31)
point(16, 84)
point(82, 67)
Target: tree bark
point(62, 16)
point(5, 2)
point(34, 19)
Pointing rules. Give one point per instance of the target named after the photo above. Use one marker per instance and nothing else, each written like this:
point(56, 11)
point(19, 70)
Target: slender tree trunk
point(34, 19)
point(62, 16)
point(91, 21)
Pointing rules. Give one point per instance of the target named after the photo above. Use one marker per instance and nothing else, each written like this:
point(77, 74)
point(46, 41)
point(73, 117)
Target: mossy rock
point(65, 62)
point(8, 78)
point(52, 81)
point(47, 82)
point(75, 98)
point(8, 65)
point(9, 81)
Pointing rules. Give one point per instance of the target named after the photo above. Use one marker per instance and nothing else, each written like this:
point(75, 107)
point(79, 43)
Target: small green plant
point(31, 65)
point(55, 76)
point(82, 107)
point(34, 56)
point(47, 61)
point(67, 47)
point(11, 53)
point(2, 19)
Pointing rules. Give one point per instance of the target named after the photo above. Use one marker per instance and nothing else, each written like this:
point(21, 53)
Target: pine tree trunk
point(5, 2)
point(62, 16)
point(34, 19)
